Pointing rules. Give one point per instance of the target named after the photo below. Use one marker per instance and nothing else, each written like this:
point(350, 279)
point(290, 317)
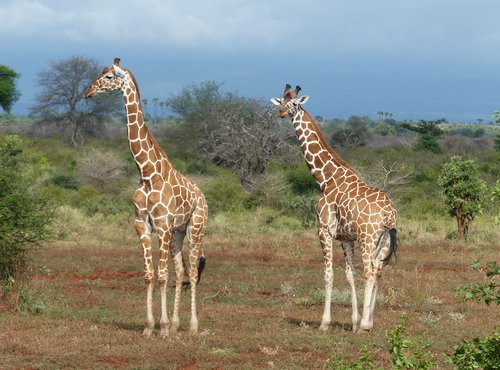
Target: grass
point(260, 301)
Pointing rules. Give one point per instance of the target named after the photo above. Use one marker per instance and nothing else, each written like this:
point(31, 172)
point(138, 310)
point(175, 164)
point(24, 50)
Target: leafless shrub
point(245, 138)
point(101, 169)
point(391, 176)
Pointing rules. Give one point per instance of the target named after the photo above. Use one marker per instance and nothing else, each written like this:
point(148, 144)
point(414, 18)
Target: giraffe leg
point(144, 232)
point(178, 238)
point(374, 298)
point(370, 293)
point(348, 247)
point(326, 240)
point(165, 240)
point(196, 231)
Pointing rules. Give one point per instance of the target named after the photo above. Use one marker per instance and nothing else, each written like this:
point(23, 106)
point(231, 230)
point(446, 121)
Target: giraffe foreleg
point(144, 232)
point(165, 240)
point(348, 247)
point(326, 241)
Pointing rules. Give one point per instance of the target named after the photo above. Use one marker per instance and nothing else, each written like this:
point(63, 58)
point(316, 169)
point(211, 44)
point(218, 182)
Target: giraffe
point(166, 202)
point(349, 211)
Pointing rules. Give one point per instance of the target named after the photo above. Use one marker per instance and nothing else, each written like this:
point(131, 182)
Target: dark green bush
point(303, 208)
point(92, 202)
point(65, 181)
point(302, 181)
point(477, 353)
point(226, 194)
point(25, 217)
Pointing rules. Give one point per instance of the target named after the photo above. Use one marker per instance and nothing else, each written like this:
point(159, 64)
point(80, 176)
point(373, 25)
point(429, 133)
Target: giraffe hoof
point(173, 328)
point(147, 332)
point(164, 327)
point(365, 328)
point(324, 327)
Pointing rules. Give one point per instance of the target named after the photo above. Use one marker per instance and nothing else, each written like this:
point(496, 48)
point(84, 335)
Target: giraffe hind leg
point(178, 238)
point(348, 247)
point(196, 231)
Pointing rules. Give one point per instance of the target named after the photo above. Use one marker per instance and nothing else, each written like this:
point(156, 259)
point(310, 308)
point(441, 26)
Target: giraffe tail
point(201, 266)
point(393, 246)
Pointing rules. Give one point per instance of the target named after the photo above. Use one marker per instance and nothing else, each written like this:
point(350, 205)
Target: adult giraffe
point(165, 201)
point(348, 211)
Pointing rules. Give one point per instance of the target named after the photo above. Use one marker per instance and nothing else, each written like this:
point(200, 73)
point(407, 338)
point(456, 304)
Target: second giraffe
point(348, 211)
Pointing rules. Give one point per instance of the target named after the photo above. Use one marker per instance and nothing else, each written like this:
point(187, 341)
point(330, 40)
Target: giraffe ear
point(276, 101)
point(302, 99)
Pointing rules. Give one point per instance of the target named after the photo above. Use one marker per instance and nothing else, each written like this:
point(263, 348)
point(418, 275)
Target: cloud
point(324, 27)
point(221, 24)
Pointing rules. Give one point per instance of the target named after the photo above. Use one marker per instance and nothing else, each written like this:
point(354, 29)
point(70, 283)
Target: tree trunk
point(460, 224)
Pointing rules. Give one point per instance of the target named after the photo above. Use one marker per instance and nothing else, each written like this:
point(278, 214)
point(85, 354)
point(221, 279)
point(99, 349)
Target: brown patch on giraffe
point(133, 133)
point(313, 147)
point(132, 108)
point(135, 146)
point(318, 162)
point(141, 157)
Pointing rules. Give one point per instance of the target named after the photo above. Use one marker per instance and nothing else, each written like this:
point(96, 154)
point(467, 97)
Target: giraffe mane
point(134, 81)
point(325, 144)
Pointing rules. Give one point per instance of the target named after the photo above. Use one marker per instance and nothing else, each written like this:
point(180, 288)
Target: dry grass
point(260, 304)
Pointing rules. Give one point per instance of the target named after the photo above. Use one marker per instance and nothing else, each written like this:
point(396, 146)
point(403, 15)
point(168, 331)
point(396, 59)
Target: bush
point(301, 181)
point(303, 208)
point(91, 201)
point(65, 181)
point(408, 353)
point(226, 194)
point(477, 353)
point(25, 217)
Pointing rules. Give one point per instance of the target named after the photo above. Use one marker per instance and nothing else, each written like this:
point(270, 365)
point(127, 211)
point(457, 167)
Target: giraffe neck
point(151, 160)
point(325, 164)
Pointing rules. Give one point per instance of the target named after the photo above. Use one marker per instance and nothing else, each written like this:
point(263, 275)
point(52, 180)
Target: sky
point(418, 59)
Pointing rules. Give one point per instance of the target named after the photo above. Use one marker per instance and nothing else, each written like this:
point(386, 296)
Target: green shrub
point(408, 353)
point(302, 182)
point(488, 291)
point(91, 201)
point(477, 353)
point(226, 194)
point(303, 208)
point(65, 181)
point(25, 217)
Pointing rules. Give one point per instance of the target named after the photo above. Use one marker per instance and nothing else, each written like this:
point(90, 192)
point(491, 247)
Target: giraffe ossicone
point(349, 211)
point(166, 202)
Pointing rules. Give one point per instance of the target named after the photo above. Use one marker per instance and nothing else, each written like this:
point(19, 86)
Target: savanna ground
point(260, 301)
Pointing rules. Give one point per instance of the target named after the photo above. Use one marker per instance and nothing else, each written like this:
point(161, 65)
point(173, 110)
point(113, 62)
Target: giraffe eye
point(109, 77)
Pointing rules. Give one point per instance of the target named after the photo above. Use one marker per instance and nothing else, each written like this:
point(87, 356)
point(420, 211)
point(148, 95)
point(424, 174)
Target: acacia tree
point(62, 99)
point(464, 192)
point(9, 94)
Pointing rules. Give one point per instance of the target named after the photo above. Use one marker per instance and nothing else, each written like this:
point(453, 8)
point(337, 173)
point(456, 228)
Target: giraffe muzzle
point(90, 93)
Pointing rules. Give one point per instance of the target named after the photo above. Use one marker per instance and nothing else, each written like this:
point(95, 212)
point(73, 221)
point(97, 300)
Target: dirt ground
point(259, 306)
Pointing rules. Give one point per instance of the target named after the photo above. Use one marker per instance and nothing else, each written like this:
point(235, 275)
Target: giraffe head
point(112, 78)
point(289, 104)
